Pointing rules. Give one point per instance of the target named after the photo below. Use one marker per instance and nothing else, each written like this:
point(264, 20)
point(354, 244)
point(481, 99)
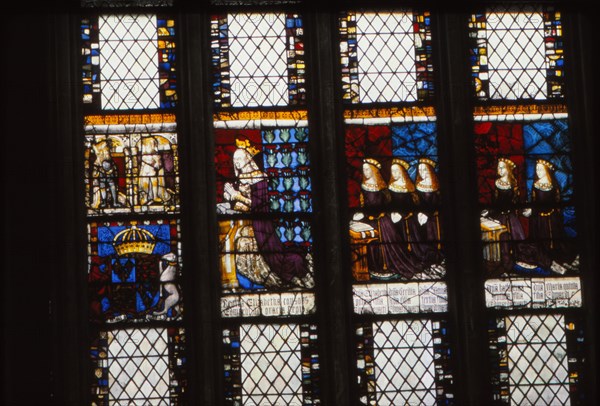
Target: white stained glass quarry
point(404, 367)
point(537, 360)
point(271, 364)
point(129, 77)
point(138, 366)
point(258, 60)
point(516, 55)
point(386, 57)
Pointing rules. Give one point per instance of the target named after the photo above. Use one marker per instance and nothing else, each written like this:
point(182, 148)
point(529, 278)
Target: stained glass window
point(398, 264)
point(128, 61)
point(131, 173)
point(501, 38)
point(403, 362)
point(275, 364)
point(528, 220)
point(264, 208)
point(386, 57)
point(258, 60)
point(267, 253)
point(132, 164)
point(138, 366)
point(134, 270)
point(537, 359)
point(525, 177)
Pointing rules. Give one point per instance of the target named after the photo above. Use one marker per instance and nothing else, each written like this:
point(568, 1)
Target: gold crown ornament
point(134, 240)
point(245, 144)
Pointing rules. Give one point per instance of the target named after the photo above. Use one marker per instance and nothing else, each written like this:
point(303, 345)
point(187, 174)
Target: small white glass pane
point(386, 57)
point(516, 55)
point(404, 368)
point(271, 364)
point(258, 60)
point(138, 366)
point(537, 360)
point(129, 77)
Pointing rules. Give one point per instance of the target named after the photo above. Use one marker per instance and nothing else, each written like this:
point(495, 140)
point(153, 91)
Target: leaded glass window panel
point(397, 262)
point(403, 362)
point(537, 359)
point(264, 208)
point(517, 54)
point(258, 60)
point(271, 364)
point(264, 171)
point(134, 271)
point(266, 181)
point(393, 192)
point(132, 167)
point(525, 175)
point(386, 57)
point(128, 61)
point(131, 173)
point(264, 186)
point(137, 366)
point(528, 221)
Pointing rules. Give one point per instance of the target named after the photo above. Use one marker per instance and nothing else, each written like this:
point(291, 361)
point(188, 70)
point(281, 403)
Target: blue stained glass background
point(549, 140)
point(413, 141)
point(161, 233)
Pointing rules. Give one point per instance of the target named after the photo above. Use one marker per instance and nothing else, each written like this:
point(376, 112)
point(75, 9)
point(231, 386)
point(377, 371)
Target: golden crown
point(401, 162)
point(245, 144)
point(546, 164)
point(428, 162)
point(373, 162)
point(134, 241)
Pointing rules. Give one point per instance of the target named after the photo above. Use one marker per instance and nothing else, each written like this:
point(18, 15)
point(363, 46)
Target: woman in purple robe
point(505, 198)
point(261, 256)
point(546, 224)
point(428, 190)
point(373, 197)
point(386, 258)
point(404, 199)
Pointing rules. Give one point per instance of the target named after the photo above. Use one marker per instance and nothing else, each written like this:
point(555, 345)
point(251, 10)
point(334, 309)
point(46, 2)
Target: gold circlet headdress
point(373, 162)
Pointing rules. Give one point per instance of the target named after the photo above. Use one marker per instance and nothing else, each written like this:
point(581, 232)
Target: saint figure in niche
point(104, 177)
point(260, 255)
point(151, 185)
